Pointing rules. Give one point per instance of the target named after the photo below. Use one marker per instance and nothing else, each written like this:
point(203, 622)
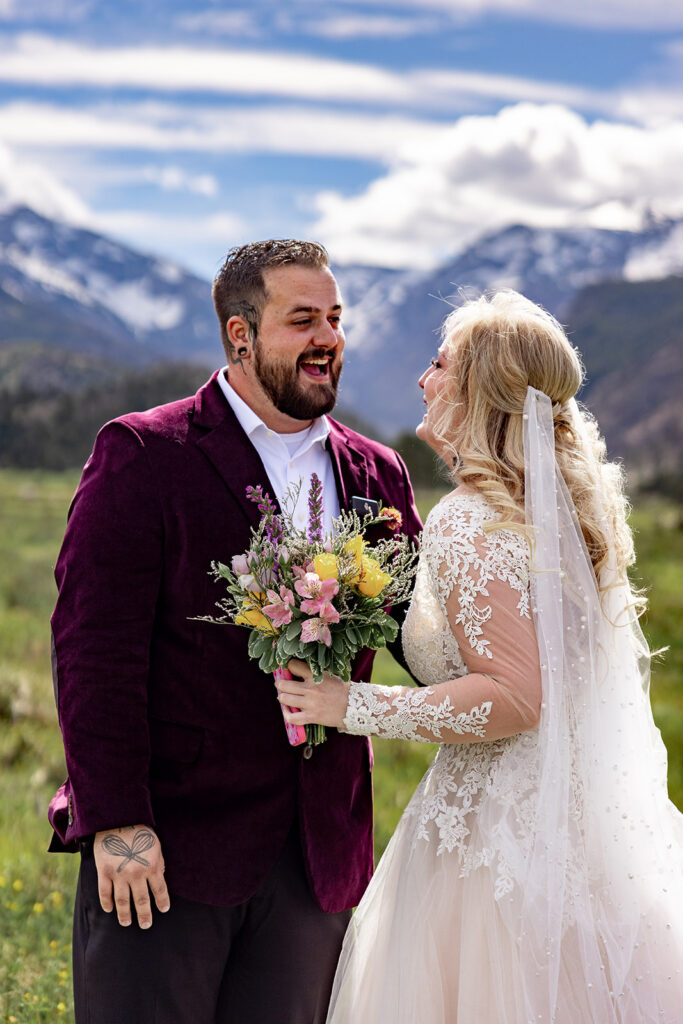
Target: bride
point(537, 873)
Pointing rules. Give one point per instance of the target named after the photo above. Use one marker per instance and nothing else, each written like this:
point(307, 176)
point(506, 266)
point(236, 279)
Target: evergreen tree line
point(55, 430)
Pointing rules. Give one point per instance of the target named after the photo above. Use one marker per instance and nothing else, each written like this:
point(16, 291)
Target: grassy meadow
point(36, 889)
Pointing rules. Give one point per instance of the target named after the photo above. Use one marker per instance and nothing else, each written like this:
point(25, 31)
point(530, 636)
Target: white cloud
point(358, 26)
point(241, 23)
point(159, 127)
point(44, 10)
point(175, 179)
point(198, 243)
point(608, 14)
point(26, 183)
point(43, 61)
point(143, 225)
point(538, 165)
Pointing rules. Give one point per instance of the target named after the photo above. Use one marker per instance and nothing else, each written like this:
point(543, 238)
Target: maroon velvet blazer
point(165, 720)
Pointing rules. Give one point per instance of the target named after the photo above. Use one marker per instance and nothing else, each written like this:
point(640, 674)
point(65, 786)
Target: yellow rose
point(373, 579)
point(325, 566)
point(355, 547)
point(255, 617)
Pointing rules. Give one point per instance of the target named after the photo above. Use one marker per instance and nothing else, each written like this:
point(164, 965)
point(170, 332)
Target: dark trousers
point(270, 960)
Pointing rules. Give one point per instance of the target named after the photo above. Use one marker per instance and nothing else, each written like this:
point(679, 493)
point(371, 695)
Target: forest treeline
point(44, 427)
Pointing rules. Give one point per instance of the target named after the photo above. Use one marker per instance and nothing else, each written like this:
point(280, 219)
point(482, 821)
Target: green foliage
point(56, 430)
point(36, 889)
point(622, 323)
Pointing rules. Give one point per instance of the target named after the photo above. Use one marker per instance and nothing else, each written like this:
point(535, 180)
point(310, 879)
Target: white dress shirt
point(289, 458)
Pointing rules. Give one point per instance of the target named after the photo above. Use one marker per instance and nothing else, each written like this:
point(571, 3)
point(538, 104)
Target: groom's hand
point(129, 865)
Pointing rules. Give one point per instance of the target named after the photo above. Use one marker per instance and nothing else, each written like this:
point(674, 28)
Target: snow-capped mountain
point(549, 265)
point(81, 290)
point(76, 290)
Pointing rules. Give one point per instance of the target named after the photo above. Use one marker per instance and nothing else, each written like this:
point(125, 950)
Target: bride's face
point(433, 382)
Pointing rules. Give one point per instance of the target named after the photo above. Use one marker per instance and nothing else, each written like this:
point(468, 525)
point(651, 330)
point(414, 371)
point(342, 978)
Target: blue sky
point(395, 131)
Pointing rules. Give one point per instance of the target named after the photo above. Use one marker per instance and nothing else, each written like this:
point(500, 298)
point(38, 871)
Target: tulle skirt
point(431, 943)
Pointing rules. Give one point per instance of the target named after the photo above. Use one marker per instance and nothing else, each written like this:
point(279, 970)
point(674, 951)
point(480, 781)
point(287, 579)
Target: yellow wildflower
point(325, 565)
point(17, 885)
point(255, 617)
point(63, 974)
point(57, 899)
point(3, 881)
point(373, 579)
point(38, 908)
point(355, 547)
point(53, 945)
point(61, 1007)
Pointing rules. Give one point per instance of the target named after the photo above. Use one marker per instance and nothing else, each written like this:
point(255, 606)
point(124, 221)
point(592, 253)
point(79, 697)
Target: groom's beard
point(282, 383)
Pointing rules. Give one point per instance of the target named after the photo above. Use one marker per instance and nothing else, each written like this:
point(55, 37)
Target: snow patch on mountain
point(656, 259)
point(50, 277)
point(135, 303)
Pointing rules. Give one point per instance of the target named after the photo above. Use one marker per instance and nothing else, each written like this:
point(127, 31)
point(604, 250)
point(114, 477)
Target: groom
point(218, 863)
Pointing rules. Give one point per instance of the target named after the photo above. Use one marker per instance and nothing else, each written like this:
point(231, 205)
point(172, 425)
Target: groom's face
point(298, 351)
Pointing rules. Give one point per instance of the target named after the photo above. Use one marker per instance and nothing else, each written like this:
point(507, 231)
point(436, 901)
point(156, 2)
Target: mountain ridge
point(78, 310)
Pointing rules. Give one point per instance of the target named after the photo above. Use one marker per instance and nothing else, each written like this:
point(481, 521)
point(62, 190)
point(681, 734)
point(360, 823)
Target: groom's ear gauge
point(236, 341)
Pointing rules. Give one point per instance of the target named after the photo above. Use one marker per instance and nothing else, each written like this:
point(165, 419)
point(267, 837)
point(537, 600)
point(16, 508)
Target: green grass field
point(36, 889)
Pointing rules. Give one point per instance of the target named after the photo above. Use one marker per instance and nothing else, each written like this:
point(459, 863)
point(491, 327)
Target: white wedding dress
point(474, 916)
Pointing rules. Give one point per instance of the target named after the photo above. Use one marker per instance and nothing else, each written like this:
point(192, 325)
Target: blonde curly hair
point(496, 348)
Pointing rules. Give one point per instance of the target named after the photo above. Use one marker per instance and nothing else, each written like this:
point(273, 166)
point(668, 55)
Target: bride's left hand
point(323, 703)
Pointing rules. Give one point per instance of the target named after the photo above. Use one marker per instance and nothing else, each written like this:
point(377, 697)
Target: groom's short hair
point(239, 288)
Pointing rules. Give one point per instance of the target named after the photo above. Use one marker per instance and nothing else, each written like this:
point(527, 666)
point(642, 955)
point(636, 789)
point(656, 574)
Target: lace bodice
point(468, 634)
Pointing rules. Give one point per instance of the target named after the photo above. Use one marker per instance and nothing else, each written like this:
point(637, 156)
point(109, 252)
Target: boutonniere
point(384, 515)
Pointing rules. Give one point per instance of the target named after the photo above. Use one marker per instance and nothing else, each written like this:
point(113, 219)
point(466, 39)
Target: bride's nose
point(423, 378)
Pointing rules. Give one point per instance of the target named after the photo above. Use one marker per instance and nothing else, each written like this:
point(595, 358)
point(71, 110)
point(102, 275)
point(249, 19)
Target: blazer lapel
point(350, 466)
point(232, 454)
point(225, 444)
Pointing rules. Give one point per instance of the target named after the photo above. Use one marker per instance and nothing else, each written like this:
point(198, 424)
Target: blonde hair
point(496, 348)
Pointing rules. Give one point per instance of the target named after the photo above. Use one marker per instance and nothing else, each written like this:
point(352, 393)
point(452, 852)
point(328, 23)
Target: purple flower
point(316, 630)
point(315, 510)
point(272, 524)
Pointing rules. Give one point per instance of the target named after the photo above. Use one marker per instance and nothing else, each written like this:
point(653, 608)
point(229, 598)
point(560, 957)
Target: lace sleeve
point(481, 580)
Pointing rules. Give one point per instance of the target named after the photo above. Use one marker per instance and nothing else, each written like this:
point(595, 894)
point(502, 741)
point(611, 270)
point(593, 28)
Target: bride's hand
point(323, 703)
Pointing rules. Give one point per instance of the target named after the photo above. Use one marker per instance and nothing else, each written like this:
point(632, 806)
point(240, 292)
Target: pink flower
point(311, 586)
point(316, 630)
point(279, 610)
point(240, 565)
point(318, 594)
point(325, 609)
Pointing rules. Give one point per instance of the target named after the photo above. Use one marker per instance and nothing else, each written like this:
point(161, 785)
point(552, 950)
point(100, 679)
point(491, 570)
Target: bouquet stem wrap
point(298, 734)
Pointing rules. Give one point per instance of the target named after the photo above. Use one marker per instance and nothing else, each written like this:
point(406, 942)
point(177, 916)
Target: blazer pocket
point(172, 741)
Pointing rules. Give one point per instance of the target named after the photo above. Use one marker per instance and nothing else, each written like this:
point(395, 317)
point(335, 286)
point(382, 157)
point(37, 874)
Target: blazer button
point(70, 808)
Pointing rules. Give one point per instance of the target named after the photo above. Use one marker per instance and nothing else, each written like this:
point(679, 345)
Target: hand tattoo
point(117, 847)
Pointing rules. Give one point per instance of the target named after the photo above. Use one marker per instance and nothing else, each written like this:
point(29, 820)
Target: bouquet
point(317, 598)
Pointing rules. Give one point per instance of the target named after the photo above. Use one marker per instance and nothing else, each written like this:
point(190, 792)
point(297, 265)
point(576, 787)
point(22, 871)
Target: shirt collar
point(250, 421)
